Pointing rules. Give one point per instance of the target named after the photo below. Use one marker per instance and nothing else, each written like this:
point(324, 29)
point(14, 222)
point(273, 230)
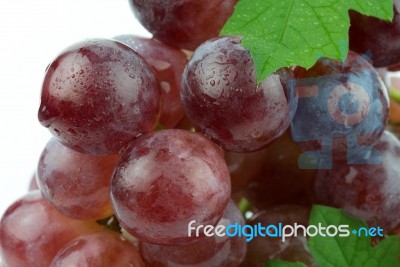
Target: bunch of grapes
point(150, 135)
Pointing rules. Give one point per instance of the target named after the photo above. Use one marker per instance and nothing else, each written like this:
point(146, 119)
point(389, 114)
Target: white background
point(32, 33)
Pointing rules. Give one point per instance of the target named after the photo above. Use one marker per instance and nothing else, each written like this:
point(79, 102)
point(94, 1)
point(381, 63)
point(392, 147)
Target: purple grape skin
point(367, 191)
point(76, 184)
point(206, 252)
point(105, 248)
point(376, 36)
point(32, 231)
point(221, 97)
point(98, 95)
point(168, 63)
point(185, 23)
point(164, 180)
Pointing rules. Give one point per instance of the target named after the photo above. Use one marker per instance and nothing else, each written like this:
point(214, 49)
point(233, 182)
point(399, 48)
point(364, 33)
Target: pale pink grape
point(32, 231)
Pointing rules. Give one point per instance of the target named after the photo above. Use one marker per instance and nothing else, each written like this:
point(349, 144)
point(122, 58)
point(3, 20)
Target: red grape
point(32, 231)
point(208, 251)
point(281, 181)
point(168, 64)
point(294, 249)
point(380, 38)
point(186, 23)
point(342, 108)
point(367, 191)
point(164, 180)
point(99, 249)
point(76, 184)
point(244, 167)
point(222, 99)
point(98, 95)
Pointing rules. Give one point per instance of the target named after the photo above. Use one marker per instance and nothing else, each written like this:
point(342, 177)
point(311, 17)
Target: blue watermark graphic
point(342, 105)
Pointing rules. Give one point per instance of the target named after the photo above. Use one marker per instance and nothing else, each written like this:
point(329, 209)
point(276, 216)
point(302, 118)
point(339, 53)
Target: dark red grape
point(104, 248)
point(294, 249)
point(98, 95)
point(206, 252)
point(378, 37)
point(222, 99)
point(367, 191)
point(168, 63)
point(164, 180)
point(342, 109)
point(281, 181)
point(244, 167)
point(76, 184)
point(186, 23)
point(32, 231)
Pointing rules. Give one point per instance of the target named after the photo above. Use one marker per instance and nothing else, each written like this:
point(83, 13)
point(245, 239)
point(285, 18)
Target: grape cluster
point(152, 134)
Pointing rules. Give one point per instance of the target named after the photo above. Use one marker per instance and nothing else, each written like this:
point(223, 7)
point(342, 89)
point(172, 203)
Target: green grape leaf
point(278, 263)
point(283, 33)
point(354, 250)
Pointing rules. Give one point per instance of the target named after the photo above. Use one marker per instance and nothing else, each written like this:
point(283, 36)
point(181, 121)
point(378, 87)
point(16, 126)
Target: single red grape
point(185, 23)
point(104, 248)
point(164, 180)
point(98, 95)
point(223, 100)
point(342, 108)
point(76, 184)
point(367, 191)
point(32, 231)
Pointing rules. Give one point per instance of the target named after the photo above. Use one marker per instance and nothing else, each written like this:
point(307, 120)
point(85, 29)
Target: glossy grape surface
point(222, 99)
point(367, 191)
point(32, 231)
point(98, 95)
point(185, 23)
point(168, 63)
point(98, 250)
point(164, 180)
point(207, 252)
point(76, 184)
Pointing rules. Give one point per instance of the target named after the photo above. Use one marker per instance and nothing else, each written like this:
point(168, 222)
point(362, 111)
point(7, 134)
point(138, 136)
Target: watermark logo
point(279, 231)
point(345, 105)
